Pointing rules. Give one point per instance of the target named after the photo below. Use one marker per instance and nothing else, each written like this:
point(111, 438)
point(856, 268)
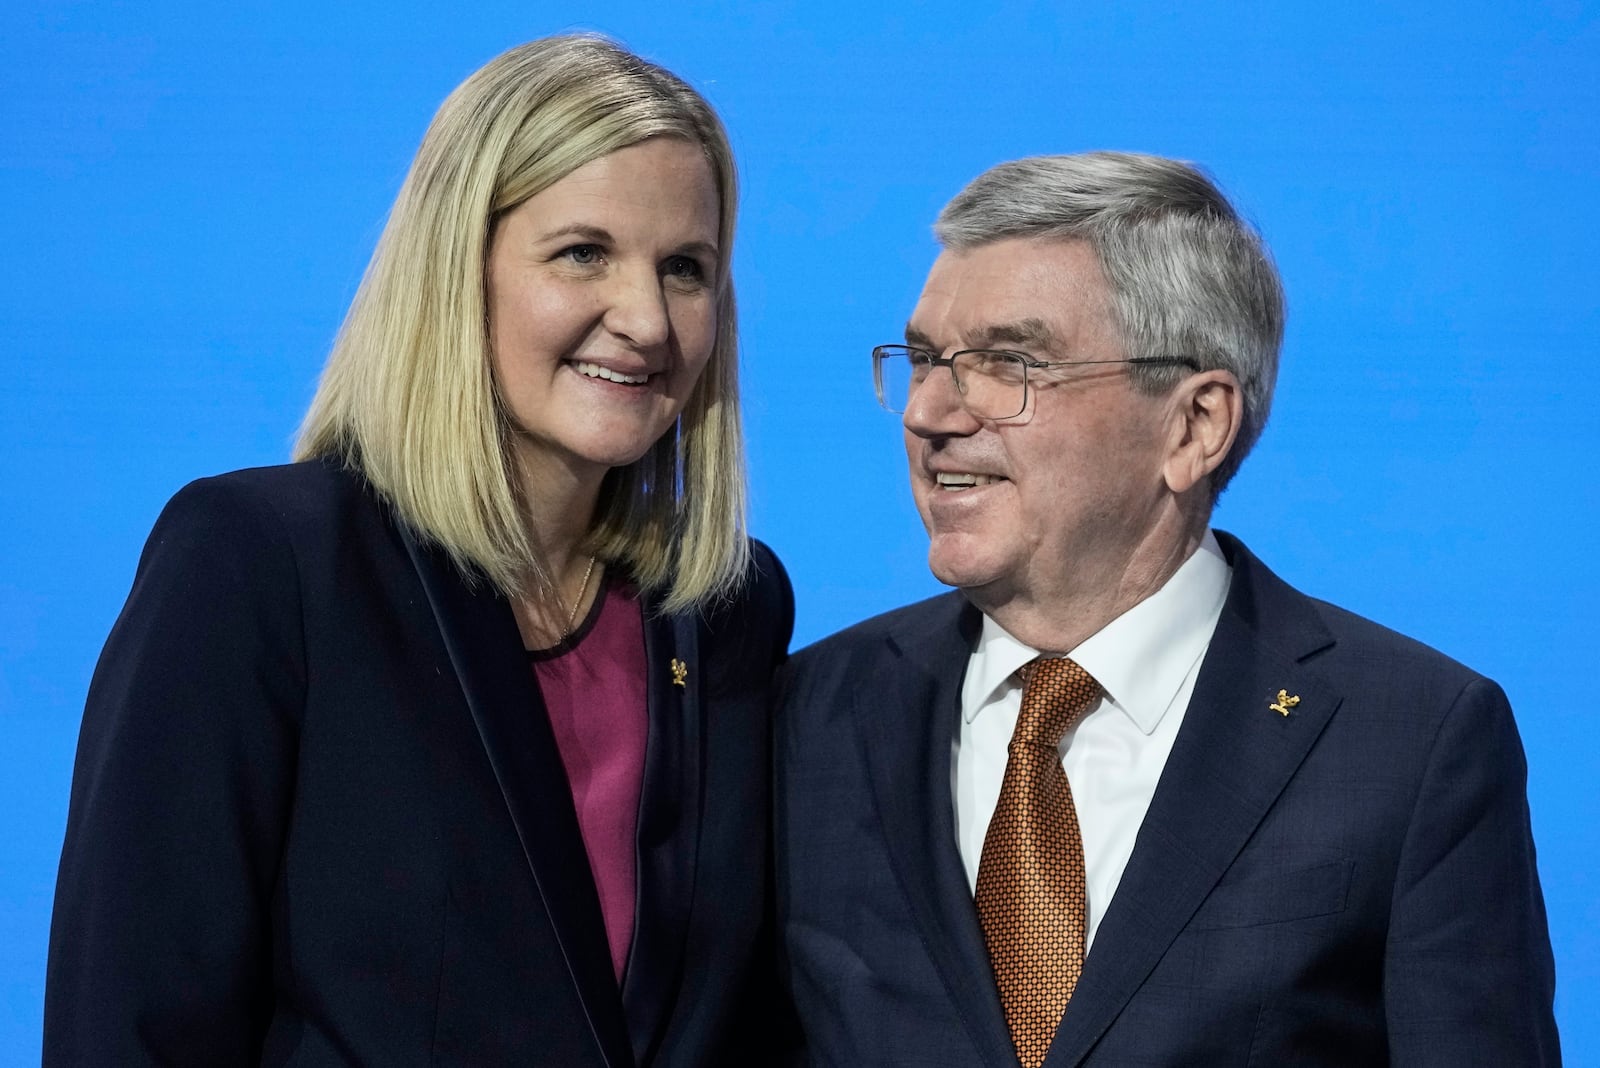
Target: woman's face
point(603, 307)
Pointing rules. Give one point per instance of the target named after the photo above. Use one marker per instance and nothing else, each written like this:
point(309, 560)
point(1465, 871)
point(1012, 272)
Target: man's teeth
point(954, 481)
point(594, 370)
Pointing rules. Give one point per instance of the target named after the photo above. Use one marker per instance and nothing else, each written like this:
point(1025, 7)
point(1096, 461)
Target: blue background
point(188, 196)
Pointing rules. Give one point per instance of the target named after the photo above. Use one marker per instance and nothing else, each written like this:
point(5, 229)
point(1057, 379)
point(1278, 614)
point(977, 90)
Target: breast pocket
point(1278, 897)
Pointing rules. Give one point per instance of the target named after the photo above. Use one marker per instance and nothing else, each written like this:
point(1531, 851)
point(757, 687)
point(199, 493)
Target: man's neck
point(1062, 618)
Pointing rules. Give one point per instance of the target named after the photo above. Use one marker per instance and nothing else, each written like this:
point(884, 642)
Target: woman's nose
point(637, 309)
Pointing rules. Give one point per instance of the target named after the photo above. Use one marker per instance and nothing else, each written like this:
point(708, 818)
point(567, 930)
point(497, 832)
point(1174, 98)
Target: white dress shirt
point(1146, 660)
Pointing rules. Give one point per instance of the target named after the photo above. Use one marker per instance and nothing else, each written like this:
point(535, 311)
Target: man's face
point(1067, 491)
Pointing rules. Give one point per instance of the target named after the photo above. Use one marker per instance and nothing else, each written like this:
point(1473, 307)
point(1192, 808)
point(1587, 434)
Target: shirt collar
point(1141, 658)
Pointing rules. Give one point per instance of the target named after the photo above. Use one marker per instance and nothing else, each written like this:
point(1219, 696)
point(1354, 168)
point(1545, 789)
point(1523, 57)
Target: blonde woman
point(447, 744)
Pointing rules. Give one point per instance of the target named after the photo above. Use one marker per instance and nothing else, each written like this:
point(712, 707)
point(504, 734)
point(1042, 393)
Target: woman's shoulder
point(765, 578)
point(307, 484)
point(309, 492)
point(757, 619)
point(262, 512)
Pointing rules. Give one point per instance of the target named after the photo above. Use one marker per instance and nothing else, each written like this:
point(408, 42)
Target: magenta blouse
point(593, 685)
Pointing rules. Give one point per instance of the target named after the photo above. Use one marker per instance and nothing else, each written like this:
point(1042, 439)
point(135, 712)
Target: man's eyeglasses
point(993, 383)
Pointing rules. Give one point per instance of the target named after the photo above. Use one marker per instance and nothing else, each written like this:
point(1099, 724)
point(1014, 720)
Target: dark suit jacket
point(1351, 884)
point(319, 817)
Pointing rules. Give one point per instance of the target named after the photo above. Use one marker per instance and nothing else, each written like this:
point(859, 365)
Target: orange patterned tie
point(1031, 898)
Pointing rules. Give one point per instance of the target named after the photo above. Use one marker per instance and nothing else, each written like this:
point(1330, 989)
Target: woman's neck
point(559, 510)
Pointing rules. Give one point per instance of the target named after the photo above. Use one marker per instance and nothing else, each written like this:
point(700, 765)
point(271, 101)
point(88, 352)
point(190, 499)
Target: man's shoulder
point(1280, 613)
point(1360, 636)
point(926, 620)
point(924, 641)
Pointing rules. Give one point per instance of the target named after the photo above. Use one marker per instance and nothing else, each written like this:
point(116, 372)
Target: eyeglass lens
point(993, 385)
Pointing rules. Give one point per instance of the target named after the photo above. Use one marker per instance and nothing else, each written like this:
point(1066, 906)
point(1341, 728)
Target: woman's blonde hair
point(408, 395)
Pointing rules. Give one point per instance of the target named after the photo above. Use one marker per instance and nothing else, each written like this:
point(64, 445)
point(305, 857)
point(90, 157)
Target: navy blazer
point(1349, 884)
point(319, 816)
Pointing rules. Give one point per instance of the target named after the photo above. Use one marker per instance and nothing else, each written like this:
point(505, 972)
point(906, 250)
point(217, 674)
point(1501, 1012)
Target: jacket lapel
point(491, 665)
point(669, 826)
point(1233, 757)
point(906, 737)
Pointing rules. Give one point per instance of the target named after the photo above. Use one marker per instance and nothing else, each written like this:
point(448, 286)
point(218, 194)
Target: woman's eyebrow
point(587, 231)
point(700, 248)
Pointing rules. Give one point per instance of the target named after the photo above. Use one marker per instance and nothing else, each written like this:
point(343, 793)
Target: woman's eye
point(685, 268)
point(583, 255)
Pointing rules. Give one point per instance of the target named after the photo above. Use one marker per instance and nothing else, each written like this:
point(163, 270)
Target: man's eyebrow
point(1030, 333)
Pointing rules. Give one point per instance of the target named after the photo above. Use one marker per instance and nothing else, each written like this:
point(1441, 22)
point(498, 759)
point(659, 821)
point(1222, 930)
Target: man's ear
point(1207, 411)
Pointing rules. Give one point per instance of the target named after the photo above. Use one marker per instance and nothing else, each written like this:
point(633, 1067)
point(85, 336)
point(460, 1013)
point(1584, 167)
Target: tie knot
point(1056, 694)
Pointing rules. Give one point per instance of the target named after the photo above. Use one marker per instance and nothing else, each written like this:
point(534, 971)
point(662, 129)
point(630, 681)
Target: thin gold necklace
point(572, 613)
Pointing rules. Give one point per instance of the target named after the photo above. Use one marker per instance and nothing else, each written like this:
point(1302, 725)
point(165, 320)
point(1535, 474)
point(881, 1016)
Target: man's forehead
point(1033, 293)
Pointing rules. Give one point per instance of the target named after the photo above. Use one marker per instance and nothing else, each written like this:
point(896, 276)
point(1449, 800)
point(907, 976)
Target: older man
point(1125, 797)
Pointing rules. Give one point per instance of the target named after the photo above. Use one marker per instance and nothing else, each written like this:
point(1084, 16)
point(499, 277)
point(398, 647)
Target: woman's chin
point(600, 452)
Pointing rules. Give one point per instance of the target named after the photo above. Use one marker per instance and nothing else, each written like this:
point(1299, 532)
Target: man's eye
point(999, 365)
point(921, 363)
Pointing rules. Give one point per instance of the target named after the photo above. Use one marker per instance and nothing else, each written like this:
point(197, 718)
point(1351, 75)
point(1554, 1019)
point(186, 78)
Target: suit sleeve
point(1469, 977)
point(759, 627)
point(159, 943)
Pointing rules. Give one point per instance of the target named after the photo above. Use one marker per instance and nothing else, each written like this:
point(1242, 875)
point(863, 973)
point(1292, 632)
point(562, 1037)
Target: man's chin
point(960, 566)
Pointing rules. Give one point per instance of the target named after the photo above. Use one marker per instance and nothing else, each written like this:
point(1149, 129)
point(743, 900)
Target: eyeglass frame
point(1029, 363)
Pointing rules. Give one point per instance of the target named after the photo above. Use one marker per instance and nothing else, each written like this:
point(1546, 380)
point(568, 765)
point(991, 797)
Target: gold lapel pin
point(680, 672)
point(1284, 702)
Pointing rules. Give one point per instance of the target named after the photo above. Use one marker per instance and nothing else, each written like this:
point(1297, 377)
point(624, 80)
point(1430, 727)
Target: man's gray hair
point(1188, 276)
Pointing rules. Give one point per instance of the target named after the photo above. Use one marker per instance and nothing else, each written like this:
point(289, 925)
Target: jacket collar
point(485, 649)
point(1233, 757)
point(668, 834)
point(905, 735)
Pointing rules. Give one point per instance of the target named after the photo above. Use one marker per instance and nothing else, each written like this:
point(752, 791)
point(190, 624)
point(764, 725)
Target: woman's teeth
point(594, 370)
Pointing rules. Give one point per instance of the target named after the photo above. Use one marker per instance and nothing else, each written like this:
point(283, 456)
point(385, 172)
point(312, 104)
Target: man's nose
point(935, 407)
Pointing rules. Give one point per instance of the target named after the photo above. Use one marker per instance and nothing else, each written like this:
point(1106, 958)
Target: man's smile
point(962, 480)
